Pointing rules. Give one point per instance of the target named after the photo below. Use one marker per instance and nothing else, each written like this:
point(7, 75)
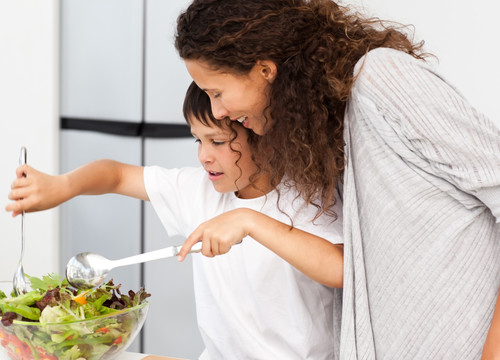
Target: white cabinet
point(109, 225)
point(171, 328)
point(101, 59)
point(166, 76)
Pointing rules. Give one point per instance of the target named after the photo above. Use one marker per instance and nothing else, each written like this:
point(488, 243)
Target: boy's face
point(229, 164)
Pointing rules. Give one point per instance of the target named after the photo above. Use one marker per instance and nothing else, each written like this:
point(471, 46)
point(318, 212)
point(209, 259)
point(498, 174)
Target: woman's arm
point(34, 191)
point(491, 349)
point(314, 256)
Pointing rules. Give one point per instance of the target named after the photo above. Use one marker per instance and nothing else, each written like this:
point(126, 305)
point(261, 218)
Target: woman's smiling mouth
point(242, 120)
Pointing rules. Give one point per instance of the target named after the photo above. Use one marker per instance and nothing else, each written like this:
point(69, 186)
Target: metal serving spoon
point(87, 270)
point(20, 281)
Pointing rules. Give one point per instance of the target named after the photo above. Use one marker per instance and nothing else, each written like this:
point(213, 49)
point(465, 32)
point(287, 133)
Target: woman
point(420, 168)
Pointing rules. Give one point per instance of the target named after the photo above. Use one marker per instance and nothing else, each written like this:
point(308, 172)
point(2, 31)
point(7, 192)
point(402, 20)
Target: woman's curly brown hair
point(315, 45)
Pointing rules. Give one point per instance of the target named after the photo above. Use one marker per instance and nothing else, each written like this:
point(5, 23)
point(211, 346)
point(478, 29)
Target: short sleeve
point(173, 195)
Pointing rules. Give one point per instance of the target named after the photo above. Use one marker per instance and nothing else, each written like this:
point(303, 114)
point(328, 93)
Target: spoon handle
point(153, 255)
point(19, 281)
point(23, 156)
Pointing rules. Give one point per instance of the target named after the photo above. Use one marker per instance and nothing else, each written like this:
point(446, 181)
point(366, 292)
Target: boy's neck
point(260, 187)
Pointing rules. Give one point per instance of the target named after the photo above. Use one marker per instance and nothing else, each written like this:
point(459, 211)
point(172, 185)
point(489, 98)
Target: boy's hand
point(219, 234)
point(34, 191)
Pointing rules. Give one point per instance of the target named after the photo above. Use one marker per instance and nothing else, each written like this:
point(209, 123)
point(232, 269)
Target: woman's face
point(239, 97)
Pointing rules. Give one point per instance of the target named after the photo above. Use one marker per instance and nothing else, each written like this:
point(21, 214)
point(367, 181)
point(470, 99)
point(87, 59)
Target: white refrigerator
point(122, 88)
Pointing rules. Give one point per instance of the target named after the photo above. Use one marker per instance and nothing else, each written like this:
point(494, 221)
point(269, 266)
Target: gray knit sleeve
point(441, 132)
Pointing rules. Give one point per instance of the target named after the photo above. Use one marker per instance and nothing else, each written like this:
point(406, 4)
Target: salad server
point(20, 281)
point(87, 270)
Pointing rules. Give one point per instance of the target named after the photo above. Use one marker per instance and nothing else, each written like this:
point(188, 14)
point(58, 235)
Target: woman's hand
point(34, 191)
point(219, 234)
point(491, 349)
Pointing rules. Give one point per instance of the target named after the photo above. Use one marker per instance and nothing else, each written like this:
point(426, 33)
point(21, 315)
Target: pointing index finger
point(189, 246)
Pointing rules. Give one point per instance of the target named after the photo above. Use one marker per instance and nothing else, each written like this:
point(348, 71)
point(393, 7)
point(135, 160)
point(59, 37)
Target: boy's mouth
point(212, 175)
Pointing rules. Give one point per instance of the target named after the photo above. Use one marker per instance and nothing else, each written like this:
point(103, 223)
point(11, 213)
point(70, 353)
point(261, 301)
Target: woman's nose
point(218, 110)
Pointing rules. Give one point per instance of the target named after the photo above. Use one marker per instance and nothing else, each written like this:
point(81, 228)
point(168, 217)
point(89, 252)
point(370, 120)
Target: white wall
point(462, 35)
point(29, 117)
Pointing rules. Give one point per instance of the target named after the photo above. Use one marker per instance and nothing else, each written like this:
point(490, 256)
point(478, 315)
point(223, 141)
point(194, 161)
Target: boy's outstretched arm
point(34, 190)
point(314, 256)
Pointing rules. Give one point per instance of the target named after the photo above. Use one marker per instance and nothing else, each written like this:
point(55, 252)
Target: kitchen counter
point(137, 356)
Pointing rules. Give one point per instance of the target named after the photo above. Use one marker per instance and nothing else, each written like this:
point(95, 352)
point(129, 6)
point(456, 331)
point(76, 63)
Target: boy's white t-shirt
point(251, 304)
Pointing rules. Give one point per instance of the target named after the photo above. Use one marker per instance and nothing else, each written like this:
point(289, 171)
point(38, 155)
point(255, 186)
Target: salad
point(55, 321)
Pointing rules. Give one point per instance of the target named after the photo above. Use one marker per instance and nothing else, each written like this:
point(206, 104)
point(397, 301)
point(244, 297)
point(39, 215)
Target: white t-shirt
point(251, 304)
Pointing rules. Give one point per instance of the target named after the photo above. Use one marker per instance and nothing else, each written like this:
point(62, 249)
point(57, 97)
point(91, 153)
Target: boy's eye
point(197, 141)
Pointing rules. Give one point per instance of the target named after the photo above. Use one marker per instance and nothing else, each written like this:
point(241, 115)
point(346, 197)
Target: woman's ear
point(268, 69)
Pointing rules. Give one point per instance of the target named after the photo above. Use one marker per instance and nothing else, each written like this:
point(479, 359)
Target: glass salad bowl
point(104, 336)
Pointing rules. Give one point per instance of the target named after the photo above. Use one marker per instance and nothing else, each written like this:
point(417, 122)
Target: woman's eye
point(217, 95)
point(218, 142)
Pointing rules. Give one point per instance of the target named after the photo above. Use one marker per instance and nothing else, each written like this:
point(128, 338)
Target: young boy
point(264, 298)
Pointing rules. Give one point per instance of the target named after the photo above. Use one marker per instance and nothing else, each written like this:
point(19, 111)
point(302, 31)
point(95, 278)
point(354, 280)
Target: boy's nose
point(204, 156)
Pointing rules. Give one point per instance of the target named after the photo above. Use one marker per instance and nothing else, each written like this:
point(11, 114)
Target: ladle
point(20, 282)
point(87, 270)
